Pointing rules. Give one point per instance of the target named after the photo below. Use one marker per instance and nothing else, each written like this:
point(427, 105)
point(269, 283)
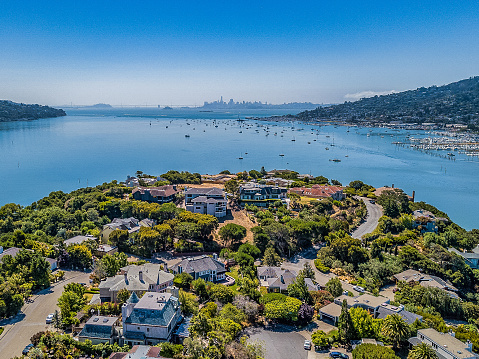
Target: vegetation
point(12, 111)
point(372, 351)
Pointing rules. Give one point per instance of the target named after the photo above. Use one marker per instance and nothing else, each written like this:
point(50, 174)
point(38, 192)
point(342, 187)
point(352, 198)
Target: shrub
point(320, 266)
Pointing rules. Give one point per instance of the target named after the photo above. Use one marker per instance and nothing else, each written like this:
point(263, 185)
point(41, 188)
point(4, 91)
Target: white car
point(49, 319)
point(307, 344)
point(359, 289)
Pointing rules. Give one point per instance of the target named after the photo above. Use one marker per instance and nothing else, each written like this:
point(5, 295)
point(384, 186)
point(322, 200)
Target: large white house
point(206, 201)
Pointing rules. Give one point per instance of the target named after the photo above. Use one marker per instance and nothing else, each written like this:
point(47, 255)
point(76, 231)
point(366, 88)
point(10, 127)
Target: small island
point(12, 111)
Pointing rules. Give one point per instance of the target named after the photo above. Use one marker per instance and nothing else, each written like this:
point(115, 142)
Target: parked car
point(359, 289)
point(345, 292)
point(307, 344)
point(338, 355)
point(27, 349)
point(49, 319)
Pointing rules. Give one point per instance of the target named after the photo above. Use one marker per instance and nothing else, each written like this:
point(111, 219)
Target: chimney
point(215, 256)
point(165, 267)
point(413, 196)
point(140, 276)
point(393, 185)
point(126, 276)
point(180, 269)
point(282, 279)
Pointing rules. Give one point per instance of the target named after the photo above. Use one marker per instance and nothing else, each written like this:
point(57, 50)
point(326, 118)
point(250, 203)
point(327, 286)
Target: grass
point(234, 274)
point(1, 330)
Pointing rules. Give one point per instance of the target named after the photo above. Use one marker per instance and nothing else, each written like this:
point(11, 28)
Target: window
point(147, 329)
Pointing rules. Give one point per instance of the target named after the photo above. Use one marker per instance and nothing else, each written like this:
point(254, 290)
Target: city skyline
point(186, 52)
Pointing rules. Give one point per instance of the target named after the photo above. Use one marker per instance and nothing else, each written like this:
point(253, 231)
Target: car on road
point(372, 201)
point(359, 289)
point(307, 344)
point(49, 319)
point(27, 349)
point(338, 355)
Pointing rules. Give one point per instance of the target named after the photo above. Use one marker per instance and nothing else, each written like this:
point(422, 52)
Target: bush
point(371, 351)
point(320, 266)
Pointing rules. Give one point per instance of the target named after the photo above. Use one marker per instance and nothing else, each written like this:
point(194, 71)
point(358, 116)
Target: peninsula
point(12, 111)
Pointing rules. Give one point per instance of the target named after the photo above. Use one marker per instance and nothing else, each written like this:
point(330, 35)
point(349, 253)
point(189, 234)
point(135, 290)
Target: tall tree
point(232, 234)
point(334, 287)
point(345, 324)
point(422, 351)
point(395, 329)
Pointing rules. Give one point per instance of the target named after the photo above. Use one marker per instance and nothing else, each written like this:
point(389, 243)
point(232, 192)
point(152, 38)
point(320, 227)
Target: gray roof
point(365, 300)
point(123, 223)
point(425, 280)
point(134, 335)
point(387, 309)
point(13, 251)
point(183, 329)
point(78, 240)
point(210, 191)
point(98, 327)
point(199, 264)
point(277, 277)
point(154, 309)
point(332, 310)
point(447, 343)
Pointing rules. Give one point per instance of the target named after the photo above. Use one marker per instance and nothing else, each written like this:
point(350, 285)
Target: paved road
point(31, 319)
point(374, 213)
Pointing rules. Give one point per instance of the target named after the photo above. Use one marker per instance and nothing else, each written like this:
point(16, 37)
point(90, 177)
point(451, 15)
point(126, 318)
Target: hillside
point(11, 111)
point(457, 102)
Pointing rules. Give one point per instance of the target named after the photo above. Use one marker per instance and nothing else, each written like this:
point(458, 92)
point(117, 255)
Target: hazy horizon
point(185, 53)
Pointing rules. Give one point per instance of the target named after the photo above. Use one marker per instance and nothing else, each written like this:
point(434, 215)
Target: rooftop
point(447, 342)
point(79, 240)
point(154, 308)
point(365, 299)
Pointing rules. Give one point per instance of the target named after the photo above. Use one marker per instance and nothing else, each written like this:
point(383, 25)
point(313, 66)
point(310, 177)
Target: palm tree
point(422, 351)
point(395, 328)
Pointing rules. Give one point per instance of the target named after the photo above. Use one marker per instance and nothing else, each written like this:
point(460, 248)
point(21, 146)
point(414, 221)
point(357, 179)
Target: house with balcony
point(149, 320)
point(210, 269)
point(163, 194)
point(210, 201)
point(261, 195)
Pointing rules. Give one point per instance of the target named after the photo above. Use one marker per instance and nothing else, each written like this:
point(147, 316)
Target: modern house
point(100, 329)
point(320, 192)
point(147, 277)
point(159, 195)
point(151, 319)
point(79, 240)
point(445, 344)
point(210, 269)
point(261, 195)
point(206, 201)
point(413, 277)
point(471, 258)
point(276, 279)
point(132, 225)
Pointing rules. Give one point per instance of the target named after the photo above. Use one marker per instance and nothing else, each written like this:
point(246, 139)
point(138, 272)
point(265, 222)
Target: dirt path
point(239, 216)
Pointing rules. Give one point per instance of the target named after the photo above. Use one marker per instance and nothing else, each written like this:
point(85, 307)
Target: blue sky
point(187, 52)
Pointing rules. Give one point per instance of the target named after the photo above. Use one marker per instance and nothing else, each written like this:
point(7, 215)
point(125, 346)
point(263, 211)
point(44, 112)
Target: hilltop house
point(100, 329)
point(132, 225)
point(210, 269)
point(320, 192)
point(427, 220)
point(151, 319)
point(138, 279)
point(206, 201)
point(159, 195)
point(261, 195)
point(471, 258)
point(445, 344)
point(412, 276)
point(139, 352)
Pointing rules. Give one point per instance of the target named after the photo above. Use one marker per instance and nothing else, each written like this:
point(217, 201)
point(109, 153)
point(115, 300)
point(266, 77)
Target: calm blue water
point(94, 146)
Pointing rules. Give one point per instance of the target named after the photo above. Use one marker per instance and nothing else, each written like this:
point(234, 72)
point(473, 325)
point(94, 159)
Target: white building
point(206, 201)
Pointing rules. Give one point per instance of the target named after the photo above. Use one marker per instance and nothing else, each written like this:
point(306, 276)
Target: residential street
point(31, 319)
point(374, 213)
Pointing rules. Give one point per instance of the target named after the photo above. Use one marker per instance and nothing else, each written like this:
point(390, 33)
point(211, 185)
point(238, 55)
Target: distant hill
point(457, 102)
point(11, 111)
point(99, 105)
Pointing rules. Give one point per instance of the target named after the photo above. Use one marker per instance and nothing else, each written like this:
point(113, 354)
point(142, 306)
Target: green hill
point(457, 102)
point(11, 111)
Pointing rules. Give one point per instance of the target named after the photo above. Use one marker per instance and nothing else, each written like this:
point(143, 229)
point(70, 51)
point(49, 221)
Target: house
point(412, 276)
point(387, 309)
point(53, 263)
point(132, 225)
point(261, 195)
point(206, 201)
point(330, 312)
point(100, 329)
point(445, 344)
point(159, 195)
point(320, 192)
point(104, 249)
point(139, 352)
point(132, 181)
point(471, 258)
point(427, 220)
point(276, 279)
point(210, 269)
point(366, 301)
point(79, 240)
point(147, 277)
point(13, 251)
point(182, 331)
point(151, 319)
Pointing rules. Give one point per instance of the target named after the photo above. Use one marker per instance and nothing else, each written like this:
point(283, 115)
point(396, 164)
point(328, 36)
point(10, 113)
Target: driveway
point(280, 341)
point(374, 213)
point(31, 318)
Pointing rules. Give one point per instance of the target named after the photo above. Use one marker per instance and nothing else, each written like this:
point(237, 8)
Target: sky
point(186, 52)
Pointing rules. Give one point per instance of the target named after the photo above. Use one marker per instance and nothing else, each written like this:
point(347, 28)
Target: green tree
point(232, 186)
point(345, 324)
point(188, 302)
point(80, 256)
point(122, 296)
point(183, 280)
point(319, 339)
point(285, 310)
point(334, 287)
point(271, 258)
point(422, 351)
point(372, 351)
point(395, 329)
point(298, 289)
point(232, 234)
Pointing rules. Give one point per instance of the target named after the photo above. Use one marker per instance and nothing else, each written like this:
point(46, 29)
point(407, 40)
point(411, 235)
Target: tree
point(395, 329)
point(373, 351)
point(271, 258)
point(334, 287)
point(199, 286)
point(286, 309)
point(319, 339)
point(298, 289)
point(364, 324)
point(111, 264)
point(305, 313)
point(183, 280)
point(307, 271)
point(232, 234)
point(345, 324)
point(188, 302)
point(221, 293)
point(422, 351)
point(122, 296)
point(80, 256)
point(232, 186)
